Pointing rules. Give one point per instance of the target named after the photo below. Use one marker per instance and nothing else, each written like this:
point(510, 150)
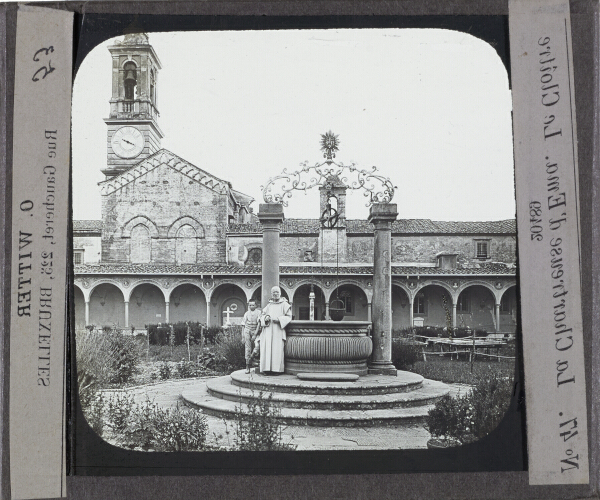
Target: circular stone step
point(332, 377)
point(222, 388)
point(201, 399)
point(369, 384)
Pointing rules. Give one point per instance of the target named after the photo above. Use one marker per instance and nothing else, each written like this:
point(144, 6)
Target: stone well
point(327, 346)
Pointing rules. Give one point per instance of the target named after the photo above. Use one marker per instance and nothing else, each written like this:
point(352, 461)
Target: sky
point(430, 108)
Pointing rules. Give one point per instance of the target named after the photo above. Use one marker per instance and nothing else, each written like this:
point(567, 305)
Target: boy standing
point(250, 322)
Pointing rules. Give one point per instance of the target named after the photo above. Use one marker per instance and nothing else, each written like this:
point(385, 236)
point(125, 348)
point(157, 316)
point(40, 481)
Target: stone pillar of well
point(381, 216)
point(271, 217)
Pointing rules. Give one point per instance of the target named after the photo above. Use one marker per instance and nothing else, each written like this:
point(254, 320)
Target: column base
point(383, 369)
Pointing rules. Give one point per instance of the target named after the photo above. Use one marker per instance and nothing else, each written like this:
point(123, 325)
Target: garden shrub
point(161, 334)
point(179, 429)
point(259, 430)
point(212, 332)
point(141, 428)
point(490, 399)
point(118, 409)
point(94, 413)
point(229, 350)
point(149, 427)
point(474, 415)
point(164, 371)
point(187, 369)
point(403, 333)
point(87, 387)
point(104, 358)
point(128, 356)
point(405, 354)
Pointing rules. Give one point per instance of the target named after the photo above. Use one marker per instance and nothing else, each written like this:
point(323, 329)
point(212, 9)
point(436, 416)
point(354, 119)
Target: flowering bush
point(149, 427)
point(187, 369)
point(259, 429)
point(118, 410)
point(179, 429)
point(165, 371)
point(465, 419)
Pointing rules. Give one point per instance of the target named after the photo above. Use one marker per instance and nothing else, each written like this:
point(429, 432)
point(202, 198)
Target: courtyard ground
point(221, 433)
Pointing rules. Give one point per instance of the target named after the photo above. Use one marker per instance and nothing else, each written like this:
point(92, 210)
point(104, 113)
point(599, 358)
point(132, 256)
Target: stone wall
point(158, 200)
point(423, 249)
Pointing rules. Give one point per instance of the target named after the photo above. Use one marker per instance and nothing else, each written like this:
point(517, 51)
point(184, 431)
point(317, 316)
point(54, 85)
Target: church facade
point(177, 243)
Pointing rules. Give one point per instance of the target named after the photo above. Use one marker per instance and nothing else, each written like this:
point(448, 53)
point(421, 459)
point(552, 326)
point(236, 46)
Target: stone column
point(126, 314)
point(369, 311)
point(498, 317)
point(207, 313)
point(453, 314)
point(271, 217)
point(327, 317)
point(166, 312)
point(87, 312)
point(411, 311)
point(381, 216)
point(311, 299)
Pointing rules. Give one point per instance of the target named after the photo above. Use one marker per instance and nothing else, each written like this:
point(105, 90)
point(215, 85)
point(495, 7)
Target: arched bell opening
point(130, 80)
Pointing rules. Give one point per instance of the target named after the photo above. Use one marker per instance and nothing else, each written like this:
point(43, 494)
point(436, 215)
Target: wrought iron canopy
point(377, 188)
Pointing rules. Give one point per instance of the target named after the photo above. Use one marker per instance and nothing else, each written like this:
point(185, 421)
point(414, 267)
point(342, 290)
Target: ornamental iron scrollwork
point(377, 188)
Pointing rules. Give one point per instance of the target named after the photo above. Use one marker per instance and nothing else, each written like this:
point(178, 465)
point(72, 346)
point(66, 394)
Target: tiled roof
point(402, 226)
point(156, 269)
point(87, 226)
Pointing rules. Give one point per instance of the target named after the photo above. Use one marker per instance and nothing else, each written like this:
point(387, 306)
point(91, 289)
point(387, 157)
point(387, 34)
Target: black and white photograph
point(294, 240)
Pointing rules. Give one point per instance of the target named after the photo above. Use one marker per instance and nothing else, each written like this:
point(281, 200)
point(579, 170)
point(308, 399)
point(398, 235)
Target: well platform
point(371, 400)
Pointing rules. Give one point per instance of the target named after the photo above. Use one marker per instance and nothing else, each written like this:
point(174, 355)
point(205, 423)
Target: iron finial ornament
point(329, 145)
point(377, 188)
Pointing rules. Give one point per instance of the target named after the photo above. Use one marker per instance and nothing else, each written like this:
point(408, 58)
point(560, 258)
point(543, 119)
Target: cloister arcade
point(133, 303)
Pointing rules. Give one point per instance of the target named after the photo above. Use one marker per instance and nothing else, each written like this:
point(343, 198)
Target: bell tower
point(133, 131)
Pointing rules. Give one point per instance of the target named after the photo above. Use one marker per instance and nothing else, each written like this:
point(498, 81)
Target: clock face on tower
point(127, 142)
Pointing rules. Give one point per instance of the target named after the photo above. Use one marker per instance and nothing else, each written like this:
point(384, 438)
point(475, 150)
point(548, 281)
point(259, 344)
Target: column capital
point(270, 213)
point(383, 212)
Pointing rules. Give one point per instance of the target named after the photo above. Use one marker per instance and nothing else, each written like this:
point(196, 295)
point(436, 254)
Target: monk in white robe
point(272, 337)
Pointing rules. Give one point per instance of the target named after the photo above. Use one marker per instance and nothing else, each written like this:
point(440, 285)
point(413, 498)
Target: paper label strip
point(41, 149)
point(548, 232)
